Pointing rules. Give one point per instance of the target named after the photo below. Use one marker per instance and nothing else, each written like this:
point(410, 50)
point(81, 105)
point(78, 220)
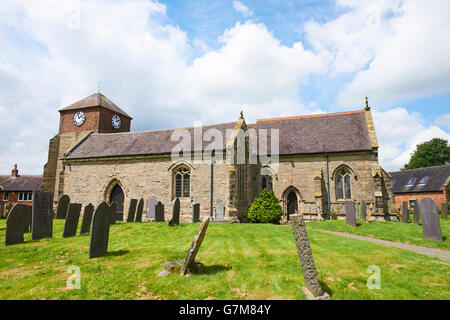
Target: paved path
point(431, 252)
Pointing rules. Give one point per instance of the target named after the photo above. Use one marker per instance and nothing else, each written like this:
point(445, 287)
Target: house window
point(267, 183)
point(343, 185)
point(412, 203)
point(424, 180)
point(25, 196)
point(182, 182)
point(392, 183)
point(411, 181)
point(6, 196)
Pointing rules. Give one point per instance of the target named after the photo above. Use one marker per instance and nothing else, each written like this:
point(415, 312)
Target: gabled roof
point(96, 100)
point(21, 183)
point(439, 175)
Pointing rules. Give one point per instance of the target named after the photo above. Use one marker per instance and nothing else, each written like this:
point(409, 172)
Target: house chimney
point(15, 172)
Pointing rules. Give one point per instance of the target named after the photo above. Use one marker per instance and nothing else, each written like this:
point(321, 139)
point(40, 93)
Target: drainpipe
point(211, 189)
point(328, 183)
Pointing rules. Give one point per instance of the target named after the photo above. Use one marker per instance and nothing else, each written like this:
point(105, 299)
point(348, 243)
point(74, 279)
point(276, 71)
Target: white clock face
point(116, 122)
point(79, 118)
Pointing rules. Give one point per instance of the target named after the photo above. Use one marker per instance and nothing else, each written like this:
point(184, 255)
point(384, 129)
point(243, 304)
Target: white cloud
point(443, 121)
point(242, 8)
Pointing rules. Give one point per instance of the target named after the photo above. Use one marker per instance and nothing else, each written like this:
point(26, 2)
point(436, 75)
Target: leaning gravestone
point(196, 212)
point(404, 212)
point(98, 244)
point(416, 212)
point(71, 224)
point(42, 215)
point(113, 213)
point(16, 223)
point(444, 210)
point(87, 219)
point(313, 290)
point(175, 213)
point(139, 211)
point(151, 204)
point(350, 215)
point(132, 210)
point(220, 211)
point(159, 212)
point(430, 220)
point(63, 206)
point(195, 246)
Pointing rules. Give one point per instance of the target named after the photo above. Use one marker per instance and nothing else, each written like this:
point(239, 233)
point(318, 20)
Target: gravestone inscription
point(416, 220)
point(175, 213)
point(72, 218)
point(159, 212)
point(196, 212)
point(98, 244)
point(132, 210)
point(195, 246)
point(444, 210)
point(42, 215)
point(139, 211)
point(63, 206)
point(350, 215)
point(430, 220)
point(220, 211)
point(113, 213)
point(16, 223)
point(87, 219)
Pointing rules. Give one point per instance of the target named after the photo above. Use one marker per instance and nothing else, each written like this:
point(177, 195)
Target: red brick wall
point(438, 197)
point(12, 198)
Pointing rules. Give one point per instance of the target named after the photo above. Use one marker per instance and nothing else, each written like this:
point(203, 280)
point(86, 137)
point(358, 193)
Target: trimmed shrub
point(265, 208)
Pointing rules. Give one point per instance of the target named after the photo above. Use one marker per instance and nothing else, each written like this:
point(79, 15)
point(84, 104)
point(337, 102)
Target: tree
point(435, 152)
point(265, 209)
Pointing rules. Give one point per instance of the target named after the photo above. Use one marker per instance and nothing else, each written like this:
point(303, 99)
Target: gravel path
point(431, 252)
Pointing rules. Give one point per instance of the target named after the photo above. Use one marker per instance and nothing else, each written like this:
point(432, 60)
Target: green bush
point(265, 209)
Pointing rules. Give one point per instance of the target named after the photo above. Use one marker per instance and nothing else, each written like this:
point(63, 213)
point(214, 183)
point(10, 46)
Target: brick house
point(17, 189)
point(431, 182)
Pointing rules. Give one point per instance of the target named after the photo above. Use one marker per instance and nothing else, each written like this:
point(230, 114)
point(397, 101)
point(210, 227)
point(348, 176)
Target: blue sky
point(170, 63)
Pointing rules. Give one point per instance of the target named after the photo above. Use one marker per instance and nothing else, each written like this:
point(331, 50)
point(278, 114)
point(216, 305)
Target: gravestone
point(16, 223)
point(42, 215)
point(139, 211)
point(175, 213)
point(196, 212)
point(113, 213)
point(195, 246)
point(159, 212)
point(63, 206)
point(87, 219)
point(151, 204)
point(416, 212)
point(350, 214)
point(132, 210)
point(313, 290)
point(363, 210)
point(98, 244)
point(358, 211)
point(404, 213)
point(71, 224)
point(430, 220)
point(444, 210)
point(220, 211)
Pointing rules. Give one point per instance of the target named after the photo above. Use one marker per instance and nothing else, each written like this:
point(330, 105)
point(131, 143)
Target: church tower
point(94, 114)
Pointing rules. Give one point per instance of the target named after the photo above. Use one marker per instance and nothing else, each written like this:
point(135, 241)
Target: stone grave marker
point(363, 209)
point(220, 211)
point(195, 246)
point(159, 212)
point(16, 223)
point(151, 204)
point(87, 219)
point(113, 213)
point(430, 220)
point(350, 214)
point(63, 206)
point(72, 218)
point(444, 210)
point(404, 213)
point(196, 212)
point(313, 290)
point(139, 211)
point(416, 212)
point(175, 213)
point(132, 210)
point(98, 244)
point(358, 210)
point(42, 215)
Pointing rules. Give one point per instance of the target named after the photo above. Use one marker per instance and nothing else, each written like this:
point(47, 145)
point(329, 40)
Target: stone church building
point(319, 162)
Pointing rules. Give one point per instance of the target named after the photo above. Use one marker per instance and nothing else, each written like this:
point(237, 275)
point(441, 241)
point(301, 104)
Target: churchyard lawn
point(241, 261)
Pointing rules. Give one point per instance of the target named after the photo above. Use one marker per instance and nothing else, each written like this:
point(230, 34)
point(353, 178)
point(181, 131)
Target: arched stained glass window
point(343, 185)
point(182, 182)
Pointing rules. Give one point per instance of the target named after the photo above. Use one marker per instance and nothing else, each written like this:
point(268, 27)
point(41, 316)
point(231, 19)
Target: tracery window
point(182, 177)
point(343, 185)
point(267, 183)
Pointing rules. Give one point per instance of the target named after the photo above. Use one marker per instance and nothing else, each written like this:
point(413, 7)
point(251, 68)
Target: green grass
point(241, 261)
point(386, 230)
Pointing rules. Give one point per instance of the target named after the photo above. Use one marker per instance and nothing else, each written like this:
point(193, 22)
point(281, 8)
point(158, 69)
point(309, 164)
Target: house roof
point(439, 175)
point(21, 183)
point(95, 100)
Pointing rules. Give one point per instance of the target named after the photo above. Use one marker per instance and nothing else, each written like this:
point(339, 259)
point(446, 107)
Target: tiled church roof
point(439, 175)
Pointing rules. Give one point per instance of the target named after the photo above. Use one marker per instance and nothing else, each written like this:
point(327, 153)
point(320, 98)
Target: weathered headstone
point(151, 204)
point(220, 211)
point(87, 219)
point(139, 211)
point(98, 244)
point(196, 212)
point(363, 209)
point(132, 210)
point(42, 215)
point(404, 213)
point(358, 211)
point(113, 213)
point(350, 214)
point(416, 212)
point(159, 212)
point(63, 206)
point(175, 213)
point(444, 210)
point(71, 224)
point(16, 223)
point(313, 290)
point(195, 246)
point(430, 220)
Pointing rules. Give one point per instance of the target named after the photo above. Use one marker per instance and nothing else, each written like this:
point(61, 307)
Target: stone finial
point(242, 115)
point(367, 105)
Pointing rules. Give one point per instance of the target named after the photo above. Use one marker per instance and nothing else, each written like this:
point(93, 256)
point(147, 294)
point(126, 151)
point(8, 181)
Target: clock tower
point(94, 114)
